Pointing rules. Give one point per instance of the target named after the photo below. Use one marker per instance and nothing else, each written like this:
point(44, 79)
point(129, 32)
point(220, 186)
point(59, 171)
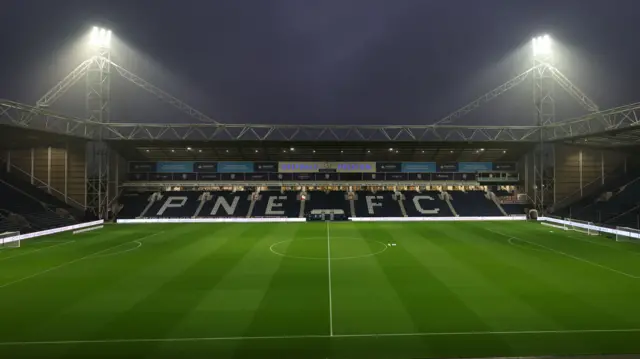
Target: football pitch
point(319, 290)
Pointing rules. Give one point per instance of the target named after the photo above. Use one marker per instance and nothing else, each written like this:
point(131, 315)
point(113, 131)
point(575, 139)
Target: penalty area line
point(318, 336)
point(569, 255)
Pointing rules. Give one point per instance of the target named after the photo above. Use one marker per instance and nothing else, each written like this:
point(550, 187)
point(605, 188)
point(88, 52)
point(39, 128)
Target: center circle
point(320, 245)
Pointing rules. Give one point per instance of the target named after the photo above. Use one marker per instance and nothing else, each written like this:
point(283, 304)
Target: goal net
point(582, 226)
point(6, 240)
point(626, 234)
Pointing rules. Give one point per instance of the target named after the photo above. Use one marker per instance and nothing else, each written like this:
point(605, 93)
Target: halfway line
point(329, 272)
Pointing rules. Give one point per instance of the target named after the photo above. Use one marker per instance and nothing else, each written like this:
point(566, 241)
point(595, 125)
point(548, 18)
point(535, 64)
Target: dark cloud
point(330, 61)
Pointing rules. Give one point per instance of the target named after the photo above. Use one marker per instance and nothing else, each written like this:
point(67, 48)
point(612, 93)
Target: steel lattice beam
point(21, 115)
point(162, 95)
point(496, 92)
point(61, 87)
point(618, 118)
point(203, 132)
point(572, 89)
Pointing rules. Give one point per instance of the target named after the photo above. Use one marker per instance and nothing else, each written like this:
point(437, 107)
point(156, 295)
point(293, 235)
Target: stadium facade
point(91, 162)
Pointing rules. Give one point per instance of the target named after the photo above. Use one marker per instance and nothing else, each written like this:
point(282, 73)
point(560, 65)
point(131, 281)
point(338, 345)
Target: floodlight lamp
point(100, 37)
point(541, 45)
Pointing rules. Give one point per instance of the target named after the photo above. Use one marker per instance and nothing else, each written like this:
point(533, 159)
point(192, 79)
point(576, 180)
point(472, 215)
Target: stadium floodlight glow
point(100, 37)
point(541, 45)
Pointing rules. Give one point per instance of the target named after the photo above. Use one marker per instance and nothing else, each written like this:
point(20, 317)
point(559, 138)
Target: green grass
point(219, 291)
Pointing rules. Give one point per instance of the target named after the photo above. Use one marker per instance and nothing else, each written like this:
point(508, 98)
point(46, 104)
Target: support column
point(49, 169)
point(98, 102)
point(8, 161)
point(526, 175)
point(33, 165)
point(66, 174)
point(580, 170)
point(544, 114)
point(602, 167)
point(86, 181)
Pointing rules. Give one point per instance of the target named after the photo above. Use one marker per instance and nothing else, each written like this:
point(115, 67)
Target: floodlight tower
point(545, 114)
point(98, 98)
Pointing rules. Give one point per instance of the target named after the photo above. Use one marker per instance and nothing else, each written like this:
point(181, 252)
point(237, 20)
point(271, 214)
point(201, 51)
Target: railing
point(614, 194)
point(54, 191)
point(447, 199)
point(495, 200)
point(44, 205)
point(586, 190)
point(622, 214)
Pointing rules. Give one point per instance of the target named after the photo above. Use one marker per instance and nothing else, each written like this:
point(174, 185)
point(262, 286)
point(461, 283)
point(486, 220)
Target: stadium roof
point(320, 151)
point(600, 125)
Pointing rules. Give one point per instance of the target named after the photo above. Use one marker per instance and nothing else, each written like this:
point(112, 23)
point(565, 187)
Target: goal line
point(9, 240)
point(627, 234)
point(570, 224)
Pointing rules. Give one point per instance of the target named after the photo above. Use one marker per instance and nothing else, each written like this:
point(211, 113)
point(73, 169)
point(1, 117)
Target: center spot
point(317, 248)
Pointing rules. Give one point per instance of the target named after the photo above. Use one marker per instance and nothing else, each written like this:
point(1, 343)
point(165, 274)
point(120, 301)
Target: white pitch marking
point(570, 256)
point(510, 240)
point(329, 272)
point(71, 262)
point(271, 248)
point(316, 336)
point(121, 252)
point(34, 251)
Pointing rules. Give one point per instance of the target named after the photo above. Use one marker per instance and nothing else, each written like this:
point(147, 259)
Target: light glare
point(100, 37)
point(541, 45)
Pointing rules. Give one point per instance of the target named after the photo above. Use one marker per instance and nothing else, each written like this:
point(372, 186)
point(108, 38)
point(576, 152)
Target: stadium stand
point(133, 204)
point(327, 200)
point(277, 204)
point(26, 208)
point(428, 203)
point(377, 204)
point(474, 203)
point(270, 203)
point(618, 203)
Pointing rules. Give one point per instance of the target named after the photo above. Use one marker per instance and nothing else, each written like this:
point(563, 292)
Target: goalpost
point(626, 234)
point(579, 226)
point(7, 242)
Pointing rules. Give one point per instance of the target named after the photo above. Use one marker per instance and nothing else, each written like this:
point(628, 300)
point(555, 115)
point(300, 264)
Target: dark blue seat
point(378, 204)
point(425, 204)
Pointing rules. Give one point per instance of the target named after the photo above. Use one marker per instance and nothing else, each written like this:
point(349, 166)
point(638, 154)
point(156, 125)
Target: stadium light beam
point(542, 46)
point(100, 37)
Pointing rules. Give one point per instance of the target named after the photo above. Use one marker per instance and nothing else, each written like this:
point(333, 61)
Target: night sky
point(329, 61)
